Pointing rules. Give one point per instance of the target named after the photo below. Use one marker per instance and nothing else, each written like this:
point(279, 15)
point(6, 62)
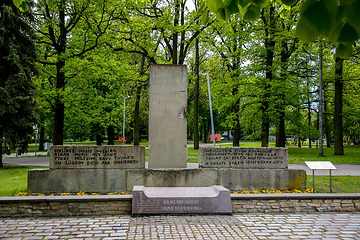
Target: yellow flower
point(95, 194)
point(235, 192)
point(245, 192)
point(20, 194)
point(256, 192)
point(41, 195)
point(81, 193)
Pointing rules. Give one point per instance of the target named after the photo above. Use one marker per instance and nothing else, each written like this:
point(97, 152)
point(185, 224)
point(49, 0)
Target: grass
point(340, 184)
point(13, 180)
point(300, 155)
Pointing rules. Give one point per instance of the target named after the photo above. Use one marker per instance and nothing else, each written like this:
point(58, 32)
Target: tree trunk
point(206, 131)
point(99, 139)
point(175, 34)
point(339, 148)
point(270, 46)
point(111, 134)
point(196, 96)
point(137, 116)
point(60, 78)
point(137, 105)
point(42, 137)
point(58, 123)
point(280, 135)
point(326, 124)
point(236, 110)
point(309, 121)
point(1, 146)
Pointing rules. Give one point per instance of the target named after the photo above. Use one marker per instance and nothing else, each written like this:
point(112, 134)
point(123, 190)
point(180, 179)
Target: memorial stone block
point(167, 116)
point(181, 200)
point(243, 157)
point(98, 157)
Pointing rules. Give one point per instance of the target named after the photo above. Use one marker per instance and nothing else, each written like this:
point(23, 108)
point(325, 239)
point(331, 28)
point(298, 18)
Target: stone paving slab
point(238, 226)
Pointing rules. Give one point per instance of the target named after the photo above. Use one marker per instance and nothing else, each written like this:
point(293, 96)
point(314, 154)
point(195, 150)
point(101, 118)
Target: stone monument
point(167, 116)
point(103, 169)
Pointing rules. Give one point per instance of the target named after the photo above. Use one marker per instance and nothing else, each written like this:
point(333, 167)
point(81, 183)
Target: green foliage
point(340, 23)
point(17, 66)
point(21, 4)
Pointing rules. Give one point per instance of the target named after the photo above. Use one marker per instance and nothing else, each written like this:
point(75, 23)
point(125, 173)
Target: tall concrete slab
point(167, 116)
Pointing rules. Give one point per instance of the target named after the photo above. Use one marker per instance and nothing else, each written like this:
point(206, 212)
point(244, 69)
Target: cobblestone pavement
point(244, 226)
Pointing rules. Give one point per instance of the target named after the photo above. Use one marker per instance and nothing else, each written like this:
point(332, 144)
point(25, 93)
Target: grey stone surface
point(75, 180)
point(98, 157)
point(262, 179)
point(167, 116)
point(118, 180)
point(180, 200)
point(172, 178)
point(237, 226)
point(243, 157)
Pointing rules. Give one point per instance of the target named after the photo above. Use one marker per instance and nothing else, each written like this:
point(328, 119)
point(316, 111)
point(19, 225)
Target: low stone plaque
point(241, 157)
point(181, 200)
point(89, 157)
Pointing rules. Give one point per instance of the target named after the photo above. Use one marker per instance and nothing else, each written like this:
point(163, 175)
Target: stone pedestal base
point(118, 180)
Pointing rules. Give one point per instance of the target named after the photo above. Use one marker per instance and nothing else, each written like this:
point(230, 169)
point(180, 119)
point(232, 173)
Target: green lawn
point(340, 184)
point(13, 180)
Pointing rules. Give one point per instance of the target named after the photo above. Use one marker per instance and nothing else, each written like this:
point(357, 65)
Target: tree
point(17, 66)
point(67, 30)
point(337, 20)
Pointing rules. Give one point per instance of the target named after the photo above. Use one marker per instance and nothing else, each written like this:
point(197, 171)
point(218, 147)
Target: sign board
point(98, 157)
point(320, 165)
point(323, 165)
point(242, 157)
point(217, 137)
point(121, 139)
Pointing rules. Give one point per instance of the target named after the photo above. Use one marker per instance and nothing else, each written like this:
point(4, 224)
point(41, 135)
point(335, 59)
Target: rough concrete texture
point(181, 200)
point(167, 116)
point(172, 178)
point(118, 180)
point(262, 179)
point(243, 157)
point(75, 180)
point(88, 157)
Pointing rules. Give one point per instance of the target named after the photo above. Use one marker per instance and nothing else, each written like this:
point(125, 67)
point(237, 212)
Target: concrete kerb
point(96, 205)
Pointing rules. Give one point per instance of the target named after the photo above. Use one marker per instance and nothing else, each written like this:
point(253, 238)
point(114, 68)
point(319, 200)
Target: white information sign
point(321, 165)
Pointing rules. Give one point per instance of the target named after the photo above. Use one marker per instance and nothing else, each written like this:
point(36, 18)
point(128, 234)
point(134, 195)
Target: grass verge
point(13, 180)
point(340, 184)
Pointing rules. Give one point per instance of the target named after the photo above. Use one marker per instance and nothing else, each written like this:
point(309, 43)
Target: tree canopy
point(17, 67)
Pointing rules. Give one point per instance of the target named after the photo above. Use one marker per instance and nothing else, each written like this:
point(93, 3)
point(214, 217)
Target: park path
point(244, 226)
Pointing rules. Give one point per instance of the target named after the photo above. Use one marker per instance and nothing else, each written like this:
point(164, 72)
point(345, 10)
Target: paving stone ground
point(239, 226)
